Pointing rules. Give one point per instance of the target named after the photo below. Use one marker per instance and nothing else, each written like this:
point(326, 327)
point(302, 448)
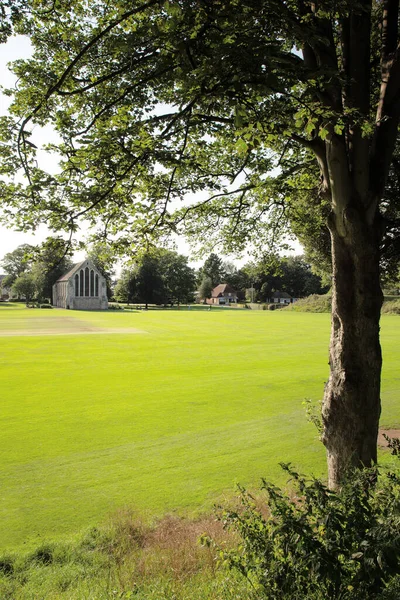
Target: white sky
point(19, 47)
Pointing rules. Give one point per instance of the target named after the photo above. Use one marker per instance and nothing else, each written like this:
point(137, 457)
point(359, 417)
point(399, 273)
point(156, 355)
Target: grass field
point(161, 411)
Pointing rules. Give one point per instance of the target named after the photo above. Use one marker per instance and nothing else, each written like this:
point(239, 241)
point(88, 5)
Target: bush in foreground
point(321, 544)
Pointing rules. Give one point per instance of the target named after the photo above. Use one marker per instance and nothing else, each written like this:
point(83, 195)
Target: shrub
point(392, 307)
point(45, 306)
point(115, 307)
point(312, 303)
point(318, 543)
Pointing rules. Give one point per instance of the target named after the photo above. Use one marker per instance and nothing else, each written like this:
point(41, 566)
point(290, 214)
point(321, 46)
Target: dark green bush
point(319, 544)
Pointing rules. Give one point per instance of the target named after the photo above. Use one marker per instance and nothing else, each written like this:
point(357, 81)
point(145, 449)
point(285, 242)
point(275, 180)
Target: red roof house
point(223, 294)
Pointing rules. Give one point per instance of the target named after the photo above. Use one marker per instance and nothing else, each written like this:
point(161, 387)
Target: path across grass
point(164, 416)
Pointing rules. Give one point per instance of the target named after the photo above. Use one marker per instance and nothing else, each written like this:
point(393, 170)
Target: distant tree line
point(31, 270)
point(157, 277)
point(258, 280)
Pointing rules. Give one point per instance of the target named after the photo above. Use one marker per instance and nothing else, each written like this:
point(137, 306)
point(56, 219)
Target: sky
point(19, 47)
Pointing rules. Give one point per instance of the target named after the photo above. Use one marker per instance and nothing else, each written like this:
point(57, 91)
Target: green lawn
point(162, 411)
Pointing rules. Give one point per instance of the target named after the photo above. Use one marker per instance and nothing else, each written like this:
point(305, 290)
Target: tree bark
point(351, 405)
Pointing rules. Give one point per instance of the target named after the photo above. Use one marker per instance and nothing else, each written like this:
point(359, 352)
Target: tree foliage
point(50, 262)
point(11, 15)
point(17, 262)
point(44, 264)
point(179, 279)
point(214, 269)
point(319, 544)
point(24, 286)
point(154, 100)
point(206, 287)
point(125, 289)
point(291, 274)
point(162, 276)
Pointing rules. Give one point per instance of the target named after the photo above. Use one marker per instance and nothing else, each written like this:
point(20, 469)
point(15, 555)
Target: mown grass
point(163, 420)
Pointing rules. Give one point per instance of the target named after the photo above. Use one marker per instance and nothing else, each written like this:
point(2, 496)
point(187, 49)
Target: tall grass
point(126, 558)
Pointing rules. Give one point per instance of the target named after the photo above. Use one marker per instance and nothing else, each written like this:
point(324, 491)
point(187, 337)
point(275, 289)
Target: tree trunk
point(351, 405)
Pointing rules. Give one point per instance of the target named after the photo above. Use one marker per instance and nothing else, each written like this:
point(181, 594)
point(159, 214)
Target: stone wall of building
point(82, 288)
point(100, 303)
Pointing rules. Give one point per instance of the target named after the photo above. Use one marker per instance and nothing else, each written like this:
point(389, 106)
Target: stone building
point(82, 288)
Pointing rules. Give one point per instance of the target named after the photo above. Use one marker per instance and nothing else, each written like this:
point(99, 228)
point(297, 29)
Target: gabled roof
point(281, 295)
point(76, 268)
point(222, 288)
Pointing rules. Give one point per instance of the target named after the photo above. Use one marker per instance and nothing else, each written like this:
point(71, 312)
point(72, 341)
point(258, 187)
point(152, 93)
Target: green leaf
point(323, 133)
point(241, 146)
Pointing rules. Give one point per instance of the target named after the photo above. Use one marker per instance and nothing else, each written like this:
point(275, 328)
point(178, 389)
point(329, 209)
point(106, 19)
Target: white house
point(82, 288)
point(281, 298)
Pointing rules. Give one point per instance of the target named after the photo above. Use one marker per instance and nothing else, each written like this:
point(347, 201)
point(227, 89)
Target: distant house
point(223, 294)
point(281, 298)
point(82, 288)
point(5, 293)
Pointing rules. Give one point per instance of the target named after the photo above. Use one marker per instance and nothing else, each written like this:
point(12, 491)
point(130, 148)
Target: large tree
point(149, 283)
point(154, 99)
point(157, 276)
point(179, 279)
point(214, 269)
point(125, 289)
point(24, 286)
point(52, 259)
point(17, 262)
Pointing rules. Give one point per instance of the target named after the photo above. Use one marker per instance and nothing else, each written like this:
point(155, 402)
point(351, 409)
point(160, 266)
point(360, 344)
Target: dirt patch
point(82, 331)
point(392, 433)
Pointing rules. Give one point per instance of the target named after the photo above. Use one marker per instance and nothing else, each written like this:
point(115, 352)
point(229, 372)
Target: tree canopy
point(157, 277)
point(17, 262)
point(291, 274)
point(24, 286)
point(214, 269)
point(43, 265)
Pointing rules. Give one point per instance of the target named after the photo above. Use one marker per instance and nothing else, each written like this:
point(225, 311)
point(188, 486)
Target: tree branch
point(54, 88)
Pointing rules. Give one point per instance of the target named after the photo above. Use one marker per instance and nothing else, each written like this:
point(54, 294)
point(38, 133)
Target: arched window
point(81, 282)
point(96, 290)
point(92, 282)
point(87, 281)
point(77, 285)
